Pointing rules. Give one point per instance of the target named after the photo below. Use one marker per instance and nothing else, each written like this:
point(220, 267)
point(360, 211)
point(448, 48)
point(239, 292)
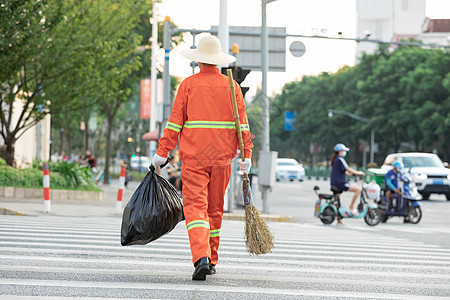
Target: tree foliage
point(53, 53)
point(405, 93)
point(69, 59)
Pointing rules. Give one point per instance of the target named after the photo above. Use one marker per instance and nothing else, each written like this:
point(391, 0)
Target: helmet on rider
point(398, 165)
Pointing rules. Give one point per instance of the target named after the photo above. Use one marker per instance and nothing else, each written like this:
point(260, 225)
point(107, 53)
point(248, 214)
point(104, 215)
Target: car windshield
point(422, 161)
point(287, 163)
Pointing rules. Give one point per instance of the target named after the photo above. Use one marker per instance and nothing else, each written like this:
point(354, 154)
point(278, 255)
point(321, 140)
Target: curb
point(273, 218)
point(4, 211)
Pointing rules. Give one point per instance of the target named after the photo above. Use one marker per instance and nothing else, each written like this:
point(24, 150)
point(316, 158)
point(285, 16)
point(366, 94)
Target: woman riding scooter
point(339, 169)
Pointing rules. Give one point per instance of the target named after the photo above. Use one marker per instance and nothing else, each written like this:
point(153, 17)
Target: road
point(298, 199)
point(69, 257)
point(49, 257)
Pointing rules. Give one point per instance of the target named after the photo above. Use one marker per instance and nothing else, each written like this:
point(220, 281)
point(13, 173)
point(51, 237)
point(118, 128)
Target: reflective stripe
point(214, 124)
point(245, 127)
point(214, 233)
point(197, 223)
point(209, 124)
point(173, 126)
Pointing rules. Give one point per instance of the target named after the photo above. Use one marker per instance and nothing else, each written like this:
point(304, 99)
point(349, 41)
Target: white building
point(386, 19)
point(436, 31)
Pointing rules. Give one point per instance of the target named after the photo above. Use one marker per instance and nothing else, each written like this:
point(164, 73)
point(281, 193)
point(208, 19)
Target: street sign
point(297, 49)
point(289, 121)
point(249, 56)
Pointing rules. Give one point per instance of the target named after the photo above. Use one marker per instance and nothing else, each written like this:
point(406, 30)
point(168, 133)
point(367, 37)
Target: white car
point(140, 163)
point(289, 169)
point(428, 172)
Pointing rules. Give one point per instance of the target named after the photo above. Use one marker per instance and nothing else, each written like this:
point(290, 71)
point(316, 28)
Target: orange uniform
point(202, 121)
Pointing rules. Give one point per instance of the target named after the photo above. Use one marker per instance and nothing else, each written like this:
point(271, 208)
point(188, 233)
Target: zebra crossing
point(50, 257)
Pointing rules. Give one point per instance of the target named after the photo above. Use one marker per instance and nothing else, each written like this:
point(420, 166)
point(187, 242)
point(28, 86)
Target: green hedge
point(63, 175)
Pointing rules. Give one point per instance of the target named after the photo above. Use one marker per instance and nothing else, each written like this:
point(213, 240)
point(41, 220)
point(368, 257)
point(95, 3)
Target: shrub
point(62, 175)
point(73, 174)
point(2, 162)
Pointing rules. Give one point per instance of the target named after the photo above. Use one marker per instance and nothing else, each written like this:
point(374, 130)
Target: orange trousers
point(203, 196)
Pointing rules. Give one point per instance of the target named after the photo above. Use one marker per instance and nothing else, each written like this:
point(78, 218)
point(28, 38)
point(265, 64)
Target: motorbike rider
point(339, 169)
point(392, 177)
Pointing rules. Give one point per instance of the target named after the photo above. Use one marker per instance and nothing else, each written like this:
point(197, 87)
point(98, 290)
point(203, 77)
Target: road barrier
point(46, 183)
point(123, 172)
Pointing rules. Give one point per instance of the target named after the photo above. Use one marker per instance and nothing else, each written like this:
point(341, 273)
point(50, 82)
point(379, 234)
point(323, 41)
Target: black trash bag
point(154, 210)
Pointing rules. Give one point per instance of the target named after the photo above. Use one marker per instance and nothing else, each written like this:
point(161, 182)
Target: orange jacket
point(202, 116)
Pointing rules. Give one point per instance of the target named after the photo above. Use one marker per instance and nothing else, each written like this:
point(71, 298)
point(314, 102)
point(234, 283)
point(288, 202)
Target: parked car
point(140, 163)
point(289, 169)
point(428, 172)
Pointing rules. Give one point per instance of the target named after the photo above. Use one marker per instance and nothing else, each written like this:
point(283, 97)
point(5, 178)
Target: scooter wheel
point(327, 216)
point(383, 217)
point(414, 215)
point(372, 217)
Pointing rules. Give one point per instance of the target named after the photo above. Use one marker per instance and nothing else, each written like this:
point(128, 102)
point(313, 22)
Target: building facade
point(386, 19)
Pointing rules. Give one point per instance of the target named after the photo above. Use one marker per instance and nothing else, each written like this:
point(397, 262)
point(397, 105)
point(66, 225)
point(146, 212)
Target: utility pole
point(223, 36)
point(265, 98)
point(153, 90)
point(166, 76)
point(223, 32)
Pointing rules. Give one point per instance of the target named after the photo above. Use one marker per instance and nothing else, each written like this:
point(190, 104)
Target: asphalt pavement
point(52, 257)
point(75, 252)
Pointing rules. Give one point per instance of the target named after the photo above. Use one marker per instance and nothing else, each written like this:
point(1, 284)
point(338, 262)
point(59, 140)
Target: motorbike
point(404, 205)
point(331, 208)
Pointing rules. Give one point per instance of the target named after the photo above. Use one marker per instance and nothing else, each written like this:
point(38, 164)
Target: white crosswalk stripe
point(81, 258)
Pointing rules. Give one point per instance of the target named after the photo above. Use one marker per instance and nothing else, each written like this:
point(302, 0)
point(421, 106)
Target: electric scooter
point(331, 209)
point(404, 205)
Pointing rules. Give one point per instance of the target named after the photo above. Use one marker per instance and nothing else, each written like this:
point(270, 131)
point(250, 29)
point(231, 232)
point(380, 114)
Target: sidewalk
point(94, 208)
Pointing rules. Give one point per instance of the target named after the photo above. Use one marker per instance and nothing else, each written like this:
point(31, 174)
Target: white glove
point(246, 165)
point(158, 160)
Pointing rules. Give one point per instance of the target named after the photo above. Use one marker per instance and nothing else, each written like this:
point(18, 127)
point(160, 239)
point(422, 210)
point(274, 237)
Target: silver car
point(289, 169)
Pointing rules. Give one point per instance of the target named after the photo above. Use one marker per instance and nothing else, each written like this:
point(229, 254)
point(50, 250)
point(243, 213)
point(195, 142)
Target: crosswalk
point(50, 257)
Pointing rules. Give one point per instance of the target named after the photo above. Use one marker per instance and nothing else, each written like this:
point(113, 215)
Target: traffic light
point(239, 75)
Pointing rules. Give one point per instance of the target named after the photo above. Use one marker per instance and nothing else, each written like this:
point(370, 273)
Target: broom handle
point(236, 113)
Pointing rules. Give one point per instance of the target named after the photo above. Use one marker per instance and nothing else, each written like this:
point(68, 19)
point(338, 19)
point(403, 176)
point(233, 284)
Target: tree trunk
point(86, 132)
point(86, 139)
point(108, 149)
point(9, 157)
point(61, 139)
point(69, 142)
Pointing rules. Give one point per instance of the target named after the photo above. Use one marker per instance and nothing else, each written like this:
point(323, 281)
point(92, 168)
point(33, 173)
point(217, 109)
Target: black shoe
point(201, 269)
point(212, 269)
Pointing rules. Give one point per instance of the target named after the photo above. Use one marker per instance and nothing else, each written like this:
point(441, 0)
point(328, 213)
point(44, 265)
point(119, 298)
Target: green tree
point(404, 92)
point(48, 52)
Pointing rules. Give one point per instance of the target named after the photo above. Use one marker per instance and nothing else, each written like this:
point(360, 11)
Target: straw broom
point(258, 238)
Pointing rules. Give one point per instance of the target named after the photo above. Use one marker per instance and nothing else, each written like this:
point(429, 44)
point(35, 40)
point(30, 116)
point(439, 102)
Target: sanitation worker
point(202, 121)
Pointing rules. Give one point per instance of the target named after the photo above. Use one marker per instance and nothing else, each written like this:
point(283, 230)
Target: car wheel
point(448, 196)
point(425, 195)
